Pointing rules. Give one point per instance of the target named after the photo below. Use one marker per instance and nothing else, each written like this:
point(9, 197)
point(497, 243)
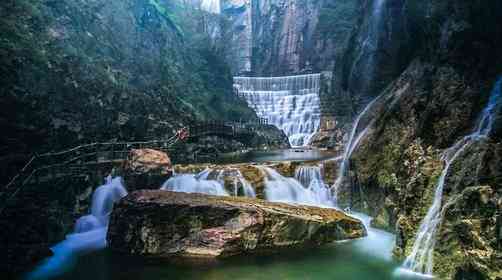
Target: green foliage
point(168, 14)
point(83, 71)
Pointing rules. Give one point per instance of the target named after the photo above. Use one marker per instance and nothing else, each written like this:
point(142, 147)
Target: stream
point(366, 258)
point(83, 254)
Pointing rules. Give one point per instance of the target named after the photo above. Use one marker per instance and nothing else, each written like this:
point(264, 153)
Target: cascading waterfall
point(89, 232)
point(311, 178)
point(194, 183)
point(240, 186)
point(289, 190)
point(291, 103)
point(211, 6)
point(306, 174)
point(350, 146)
point(421, 258)
point(211, 182)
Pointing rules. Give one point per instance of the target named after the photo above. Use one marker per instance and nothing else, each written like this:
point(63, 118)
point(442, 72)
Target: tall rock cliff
point(435, 65)
point(286, 37)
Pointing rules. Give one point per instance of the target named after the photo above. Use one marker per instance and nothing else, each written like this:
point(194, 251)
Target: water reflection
point(260, 156)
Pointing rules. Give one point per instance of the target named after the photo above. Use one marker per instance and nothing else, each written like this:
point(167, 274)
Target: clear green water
point(323, 263)
point(367, 258)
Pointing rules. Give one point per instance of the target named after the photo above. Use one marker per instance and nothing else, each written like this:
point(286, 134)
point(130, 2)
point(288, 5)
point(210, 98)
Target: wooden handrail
point(34, 161)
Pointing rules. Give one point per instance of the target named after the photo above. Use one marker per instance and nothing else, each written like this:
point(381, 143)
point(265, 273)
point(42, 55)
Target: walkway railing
point(76, 161)
point(225, 129)
point(85, 159)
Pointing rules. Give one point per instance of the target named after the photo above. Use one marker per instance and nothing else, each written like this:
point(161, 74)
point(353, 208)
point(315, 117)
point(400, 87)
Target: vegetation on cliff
point(82, 71)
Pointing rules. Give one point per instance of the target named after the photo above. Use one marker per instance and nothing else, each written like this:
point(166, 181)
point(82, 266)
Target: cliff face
point(82, 71)
point(448, 76)
point(283, 37)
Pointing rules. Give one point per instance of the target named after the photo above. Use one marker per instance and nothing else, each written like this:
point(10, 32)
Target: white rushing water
point(211, 182)
point(355, 137)
point(211, 6)
point(308, 188)
point(291, 103)
point(421, 259)
point(289, 190)
point(377, 243)
point(195, 183)
point(89, 233)
point(240, 186)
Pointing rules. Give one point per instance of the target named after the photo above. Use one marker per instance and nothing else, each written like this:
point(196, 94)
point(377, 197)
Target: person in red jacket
point(182, 134)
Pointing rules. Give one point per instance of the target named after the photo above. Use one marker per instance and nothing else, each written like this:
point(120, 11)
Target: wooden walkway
point(233, 130)
point(84, 160)
point(89, 160)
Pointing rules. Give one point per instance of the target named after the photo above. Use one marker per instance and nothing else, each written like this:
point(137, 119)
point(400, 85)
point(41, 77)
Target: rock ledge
point(169, 224)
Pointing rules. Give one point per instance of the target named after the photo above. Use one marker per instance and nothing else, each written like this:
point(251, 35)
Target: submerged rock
point(169, 224)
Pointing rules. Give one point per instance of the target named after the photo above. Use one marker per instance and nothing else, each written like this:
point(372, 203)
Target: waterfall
point(350, 146)
point(421, 258)
point(194, 183)
point(240, 186)
point(306, 174)
point(289, 190)
point(89, 233)
point(311, 178)
point(291, 103)
point(211, 6)
point(211, 182)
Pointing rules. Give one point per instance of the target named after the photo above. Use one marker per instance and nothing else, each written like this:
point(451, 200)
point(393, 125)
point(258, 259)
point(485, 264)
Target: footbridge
point(232, 130)
point(90, 160)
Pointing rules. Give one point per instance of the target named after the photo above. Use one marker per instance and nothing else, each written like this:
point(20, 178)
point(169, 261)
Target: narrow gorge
point(251, 139)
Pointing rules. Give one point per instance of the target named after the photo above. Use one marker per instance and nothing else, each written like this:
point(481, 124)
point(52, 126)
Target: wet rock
point(168, 224)
point(147, 168)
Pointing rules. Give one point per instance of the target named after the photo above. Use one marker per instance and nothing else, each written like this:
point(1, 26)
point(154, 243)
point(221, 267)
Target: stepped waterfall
point(291, 103)
point(422, 255)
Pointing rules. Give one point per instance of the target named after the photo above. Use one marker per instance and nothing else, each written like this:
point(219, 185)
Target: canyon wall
point(283, 37)
point(435, 66)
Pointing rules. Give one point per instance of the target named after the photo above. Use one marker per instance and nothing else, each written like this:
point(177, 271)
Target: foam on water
point(377, 243)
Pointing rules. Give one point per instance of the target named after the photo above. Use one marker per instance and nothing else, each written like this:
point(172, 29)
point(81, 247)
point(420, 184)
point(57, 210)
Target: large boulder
point(147, 168)
point(168, 224)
